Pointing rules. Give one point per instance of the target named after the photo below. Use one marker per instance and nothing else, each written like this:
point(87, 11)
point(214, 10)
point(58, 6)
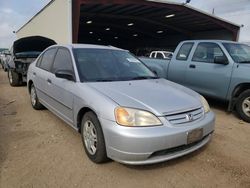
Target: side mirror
point(221, 60)
point(65, 74)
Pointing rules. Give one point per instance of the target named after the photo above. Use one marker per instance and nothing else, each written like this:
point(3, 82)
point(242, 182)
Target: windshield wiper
point(144, 77)
point(103, 80)
point(244, 61)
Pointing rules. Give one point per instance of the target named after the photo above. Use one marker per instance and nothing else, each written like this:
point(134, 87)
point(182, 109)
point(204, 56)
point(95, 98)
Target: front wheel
point(93, 139)
point(14, 78)
point(243, 105)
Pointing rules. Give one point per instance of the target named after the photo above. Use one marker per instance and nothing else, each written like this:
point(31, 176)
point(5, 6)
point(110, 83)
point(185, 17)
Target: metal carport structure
point(135, 24)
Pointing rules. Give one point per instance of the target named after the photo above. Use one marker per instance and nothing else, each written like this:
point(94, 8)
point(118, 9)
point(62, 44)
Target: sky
point(15, 13)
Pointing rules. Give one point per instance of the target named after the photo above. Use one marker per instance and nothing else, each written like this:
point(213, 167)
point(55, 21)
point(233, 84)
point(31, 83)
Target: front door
point(206, 77)
point(61, 90)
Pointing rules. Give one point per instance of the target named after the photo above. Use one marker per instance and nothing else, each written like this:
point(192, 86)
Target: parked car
point(122, 110)
point(161, 54)
point(218, 69)
point(23, 52)
point(5, 56)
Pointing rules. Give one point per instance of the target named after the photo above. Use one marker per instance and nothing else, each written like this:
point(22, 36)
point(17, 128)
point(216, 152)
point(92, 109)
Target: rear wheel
point(243, 106)
point(34, 99)
point(14, 78)
point(93, 139)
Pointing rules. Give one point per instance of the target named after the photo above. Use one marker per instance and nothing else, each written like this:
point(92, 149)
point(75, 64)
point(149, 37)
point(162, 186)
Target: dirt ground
point(37, 149)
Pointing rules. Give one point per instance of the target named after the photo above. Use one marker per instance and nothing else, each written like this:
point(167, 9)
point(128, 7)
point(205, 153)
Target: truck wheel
point(92, 138)
point(14, 79)
point(243, 105)
point(34, 99)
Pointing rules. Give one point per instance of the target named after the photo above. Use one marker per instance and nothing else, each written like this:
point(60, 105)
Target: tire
point(14, 78)
point(243, 105)
point(34, 99)
point(93, 139)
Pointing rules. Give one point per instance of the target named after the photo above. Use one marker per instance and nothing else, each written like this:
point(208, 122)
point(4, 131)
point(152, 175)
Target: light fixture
point(89, 22)
point(170, 15)
point(91, 32)
point(107, 29)
point(159, 32)
point(135, 35)
point(99, 39)
point(116, 37)
point(130, 24)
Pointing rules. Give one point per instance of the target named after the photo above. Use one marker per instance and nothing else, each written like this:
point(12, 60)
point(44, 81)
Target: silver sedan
point(122, 110)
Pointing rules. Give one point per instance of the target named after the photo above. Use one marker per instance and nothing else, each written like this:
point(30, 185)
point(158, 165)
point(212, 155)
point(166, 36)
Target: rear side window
point(206, 52)
point(62, 61)
point(47, 59)
point(184, 51)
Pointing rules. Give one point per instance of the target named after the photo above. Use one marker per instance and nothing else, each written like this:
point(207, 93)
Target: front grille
point(185, 117)
point(177, 149)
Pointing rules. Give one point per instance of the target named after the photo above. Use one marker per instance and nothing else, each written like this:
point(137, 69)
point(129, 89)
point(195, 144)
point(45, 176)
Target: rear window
point(184, 51)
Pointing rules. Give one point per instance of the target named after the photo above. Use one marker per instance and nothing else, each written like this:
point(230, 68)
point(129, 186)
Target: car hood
point(159, 96)
point(32, 44)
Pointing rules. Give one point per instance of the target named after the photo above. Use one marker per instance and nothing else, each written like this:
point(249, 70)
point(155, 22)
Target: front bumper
point(148, 145)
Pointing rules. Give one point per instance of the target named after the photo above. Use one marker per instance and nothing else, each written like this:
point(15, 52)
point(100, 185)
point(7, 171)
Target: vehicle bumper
point(148, 145)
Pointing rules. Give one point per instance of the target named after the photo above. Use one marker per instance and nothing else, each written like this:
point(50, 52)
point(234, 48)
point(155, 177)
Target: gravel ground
point(37, 149)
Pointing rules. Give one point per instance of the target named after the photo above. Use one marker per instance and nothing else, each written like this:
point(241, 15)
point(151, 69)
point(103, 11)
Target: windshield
point(109, 65)
point(239, 52)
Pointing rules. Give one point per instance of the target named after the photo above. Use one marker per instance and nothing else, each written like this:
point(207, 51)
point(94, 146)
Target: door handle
point(192, 66)
point(49, 81)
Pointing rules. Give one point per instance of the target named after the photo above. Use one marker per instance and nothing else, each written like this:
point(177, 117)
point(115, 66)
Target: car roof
point(219, 41)
point(89, 46)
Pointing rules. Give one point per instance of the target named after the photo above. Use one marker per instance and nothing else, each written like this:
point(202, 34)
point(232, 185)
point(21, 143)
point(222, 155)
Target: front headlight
point(134, 117)
point(205, 104)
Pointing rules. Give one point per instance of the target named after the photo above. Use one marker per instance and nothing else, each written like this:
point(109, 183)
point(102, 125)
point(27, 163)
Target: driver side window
point(206, 52)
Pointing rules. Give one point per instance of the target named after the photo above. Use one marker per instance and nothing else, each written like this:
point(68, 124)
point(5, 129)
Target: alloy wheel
point(33, 96)
point(246, 106)
point(90, 137)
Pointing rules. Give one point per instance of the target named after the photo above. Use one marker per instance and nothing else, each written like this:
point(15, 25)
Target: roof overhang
point(151, 19)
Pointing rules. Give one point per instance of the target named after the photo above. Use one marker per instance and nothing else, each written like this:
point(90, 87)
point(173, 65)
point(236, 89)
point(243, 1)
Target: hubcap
point(246, 106)
point(33, 96)
point(90, 137)
point(10, 77)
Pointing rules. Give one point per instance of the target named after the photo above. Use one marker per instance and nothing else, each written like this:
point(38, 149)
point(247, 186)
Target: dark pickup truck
point(23, 52)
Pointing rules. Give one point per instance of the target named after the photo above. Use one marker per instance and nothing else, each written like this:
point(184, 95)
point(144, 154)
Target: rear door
point(206, 77)
point(61, 89)
point(42, 73)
